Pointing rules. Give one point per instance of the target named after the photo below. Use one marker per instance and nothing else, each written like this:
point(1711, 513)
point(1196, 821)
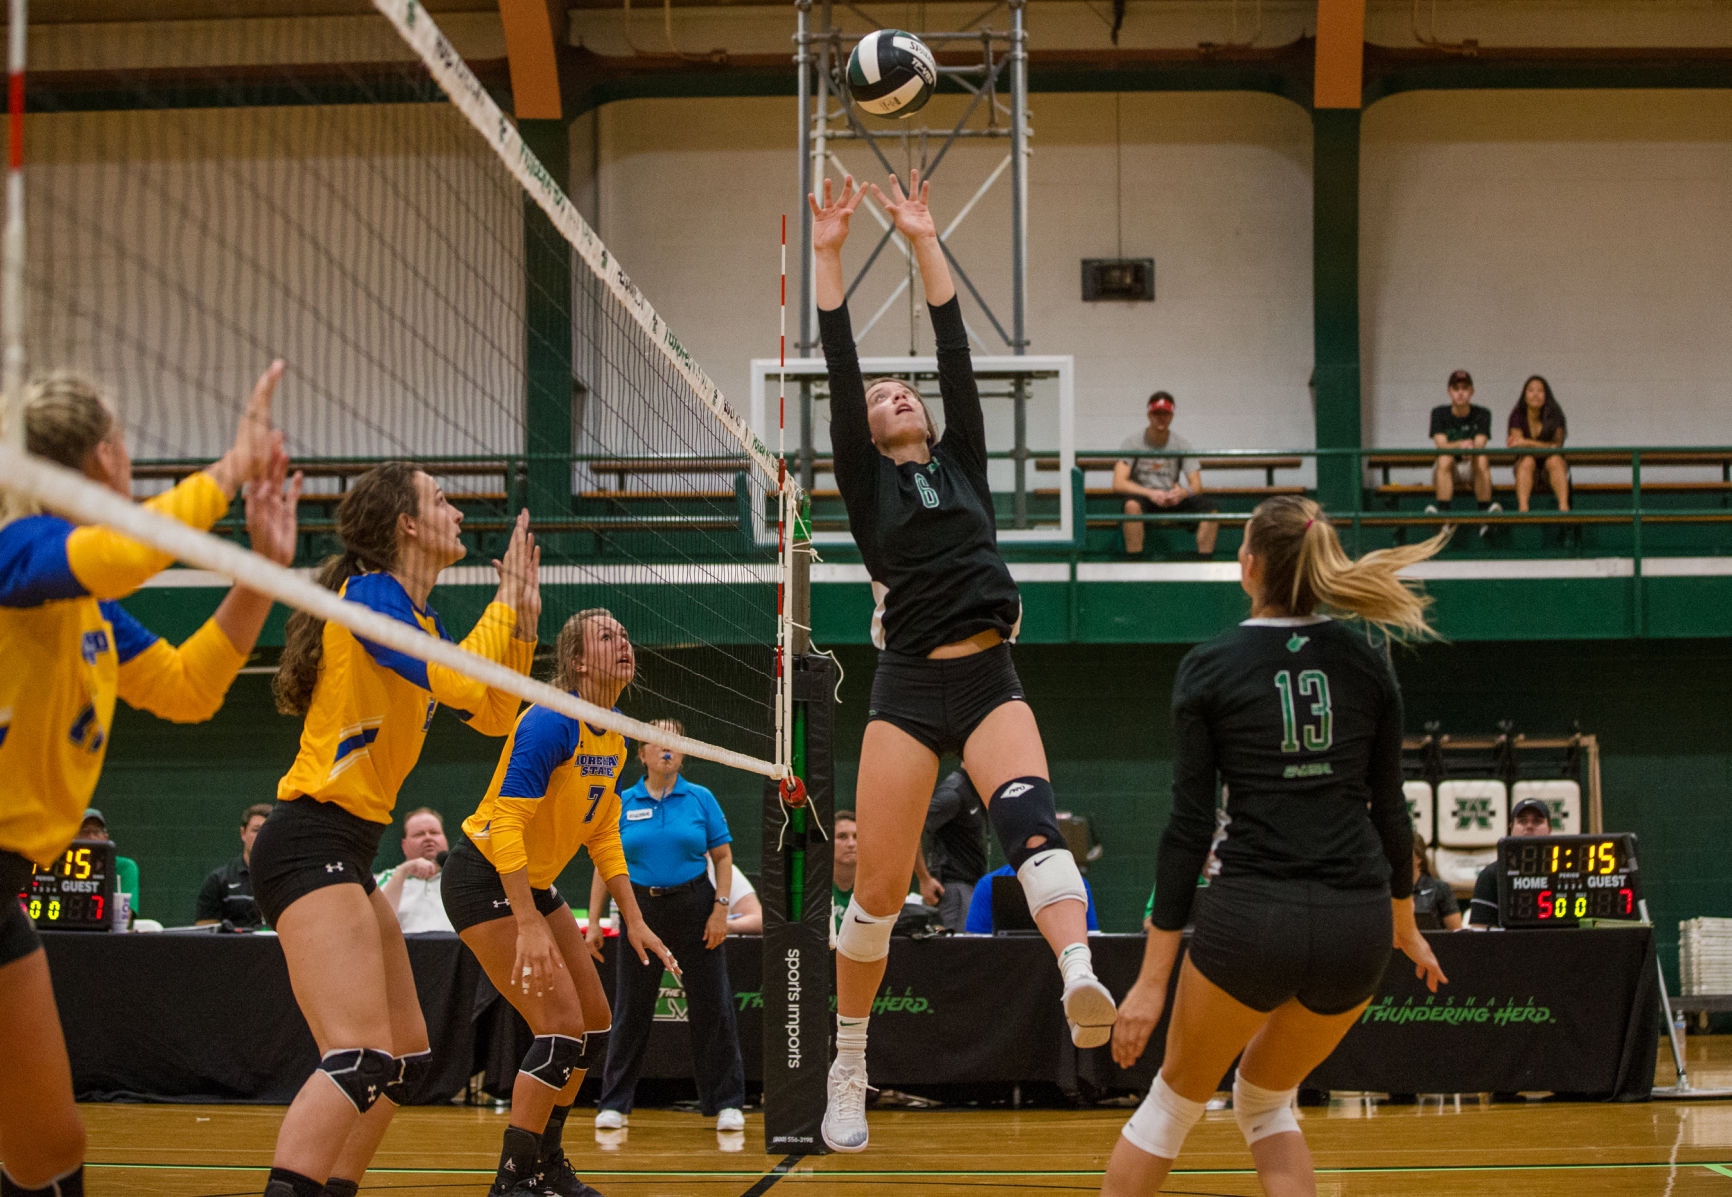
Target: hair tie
point(1309, 522)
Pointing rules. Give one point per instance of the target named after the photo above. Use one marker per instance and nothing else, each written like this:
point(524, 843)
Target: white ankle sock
point(1076, 963)
point(851, 1040)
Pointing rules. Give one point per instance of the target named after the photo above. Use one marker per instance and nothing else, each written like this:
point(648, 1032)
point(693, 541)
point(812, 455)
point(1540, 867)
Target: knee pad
point(865, 937)
point(1262, 1112)
point(591, 1051)
point(361, 1073)
point(412, 1069)
point(1163, 1120)
point(1051, 876)
point(1021, 810)
point(551, 1058)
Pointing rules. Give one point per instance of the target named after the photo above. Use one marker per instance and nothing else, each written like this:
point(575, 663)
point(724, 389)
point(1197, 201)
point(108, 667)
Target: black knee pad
point(361, 1073)
point(593, 1053)
point(1020, 810)
point(411, 1071)
point(551, 1058)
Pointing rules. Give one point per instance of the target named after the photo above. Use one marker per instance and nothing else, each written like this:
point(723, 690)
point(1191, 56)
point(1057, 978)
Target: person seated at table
point(412, 888)
point(956, 826)
point(1457, 426)
point(227, 894)
point(980, 920)
point(1152, 485)
point(1530, 817)
point(1434, 904)
point(95, 827)
point(1537, 422)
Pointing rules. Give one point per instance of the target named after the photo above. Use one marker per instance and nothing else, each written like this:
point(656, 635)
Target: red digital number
point(1545, 901)
point(1629, 898)
point(96, 907)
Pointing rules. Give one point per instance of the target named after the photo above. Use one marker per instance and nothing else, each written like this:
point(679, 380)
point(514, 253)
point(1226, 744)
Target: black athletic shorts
point(306, 845)
point(940, 701)
point(473, 893)
point(1265, 941)
point(18, 936)
point(1189, 505)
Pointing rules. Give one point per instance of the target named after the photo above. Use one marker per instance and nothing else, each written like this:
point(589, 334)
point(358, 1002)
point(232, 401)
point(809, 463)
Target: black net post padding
point(797, 970)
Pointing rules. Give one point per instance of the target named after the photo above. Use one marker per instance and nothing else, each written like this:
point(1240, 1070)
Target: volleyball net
point(343, 192)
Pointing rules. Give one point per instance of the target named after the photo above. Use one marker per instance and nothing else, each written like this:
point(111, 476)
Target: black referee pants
point(679, 918)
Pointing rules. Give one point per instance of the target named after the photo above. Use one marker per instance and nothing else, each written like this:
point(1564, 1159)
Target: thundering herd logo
point(1473, 813)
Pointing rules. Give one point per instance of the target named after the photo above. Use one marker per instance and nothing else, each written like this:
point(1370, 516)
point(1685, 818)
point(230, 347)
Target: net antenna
point(331, 208)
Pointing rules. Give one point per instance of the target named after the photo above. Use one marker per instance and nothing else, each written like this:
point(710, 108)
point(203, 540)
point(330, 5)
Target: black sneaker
point(556, 1178)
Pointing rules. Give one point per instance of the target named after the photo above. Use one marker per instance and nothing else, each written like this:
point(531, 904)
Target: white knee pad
point(865, 937)
point(1049, 876)
point(1163, 1120)
point(1262, 1112)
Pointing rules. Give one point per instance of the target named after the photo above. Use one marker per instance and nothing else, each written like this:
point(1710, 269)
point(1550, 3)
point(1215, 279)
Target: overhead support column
point(1335, 118)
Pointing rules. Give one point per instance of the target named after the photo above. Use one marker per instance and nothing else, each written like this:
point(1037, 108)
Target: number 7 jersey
point(554, 791)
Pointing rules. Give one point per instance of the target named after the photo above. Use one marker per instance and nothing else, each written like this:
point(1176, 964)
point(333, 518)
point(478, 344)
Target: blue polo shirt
point(667, 839)
point(979, 921)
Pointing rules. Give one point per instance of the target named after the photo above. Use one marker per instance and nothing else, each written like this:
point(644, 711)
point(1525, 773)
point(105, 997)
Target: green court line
point(1722, 1167)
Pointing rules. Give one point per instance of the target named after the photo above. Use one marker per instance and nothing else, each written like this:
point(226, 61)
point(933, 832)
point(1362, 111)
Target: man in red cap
point(1159, 485)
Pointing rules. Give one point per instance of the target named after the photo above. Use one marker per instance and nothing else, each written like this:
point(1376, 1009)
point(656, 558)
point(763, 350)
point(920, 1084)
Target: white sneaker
point(844, 1126)
point(730, 1119)
point(1495, 508)
point(609, 1120)
point(1091, 1012)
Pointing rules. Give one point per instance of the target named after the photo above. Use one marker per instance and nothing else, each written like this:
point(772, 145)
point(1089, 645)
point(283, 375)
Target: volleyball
point(891, 73)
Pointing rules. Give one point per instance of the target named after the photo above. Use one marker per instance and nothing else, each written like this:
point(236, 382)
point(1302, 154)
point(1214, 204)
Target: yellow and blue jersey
point(372, 705)
point(553, 792)
point(68, 649)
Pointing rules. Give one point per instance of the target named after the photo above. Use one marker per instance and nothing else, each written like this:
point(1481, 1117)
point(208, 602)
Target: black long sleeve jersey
point(1301, 718)
point(926, 531)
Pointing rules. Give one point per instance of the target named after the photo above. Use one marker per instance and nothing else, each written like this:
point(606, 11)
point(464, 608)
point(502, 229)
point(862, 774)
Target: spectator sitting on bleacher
point(1530, 817)
point(1160, 484)
point(1434, 904)
point(1462, 424)
point(1537, 422)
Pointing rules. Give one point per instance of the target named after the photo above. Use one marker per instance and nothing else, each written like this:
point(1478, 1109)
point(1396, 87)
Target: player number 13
point(1319, 731)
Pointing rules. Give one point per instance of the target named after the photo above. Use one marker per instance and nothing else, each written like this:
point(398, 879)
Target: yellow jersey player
point(367, 712)
point(553, 793)
point(68, 650)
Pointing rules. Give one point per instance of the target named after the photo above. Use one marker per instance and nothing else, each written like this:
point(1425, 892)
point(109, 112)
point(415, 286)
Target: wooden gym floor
point(1671, 1148)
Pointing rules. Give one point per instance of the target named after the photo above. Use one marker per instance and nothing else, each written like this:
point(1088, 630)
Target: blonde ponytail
point(65, 417)
point(1305, 567)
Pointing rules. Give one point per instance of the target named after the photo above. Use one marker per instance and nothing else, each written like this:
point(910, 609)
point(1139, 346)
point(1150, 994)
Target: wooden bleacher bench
point(1426, 458)
point(502, 468)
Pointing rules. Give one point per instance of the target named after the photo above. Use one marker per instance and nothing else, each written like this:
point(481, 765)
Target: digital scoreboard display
point(1558, 880)
point(76, 891)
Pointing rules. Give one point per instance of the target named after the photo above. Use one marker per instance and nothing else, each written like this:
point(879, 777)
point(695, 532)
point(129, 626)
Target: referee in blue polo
point(667, 827)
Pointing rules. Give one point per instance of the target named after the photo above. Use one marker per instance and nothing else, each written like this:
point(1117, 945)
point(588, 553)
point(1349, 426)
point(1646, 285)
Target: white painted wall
point(1583, 236)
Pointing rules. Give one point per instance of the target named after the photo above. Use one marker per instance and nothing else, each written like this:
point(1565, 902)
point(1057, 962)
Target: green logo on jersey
point(1297, 642)
point(928, 495)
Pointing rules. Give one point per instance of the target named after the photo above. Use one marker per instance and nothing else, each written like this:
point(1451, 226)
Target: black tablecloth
point(208, 1017)
point(211, 1017)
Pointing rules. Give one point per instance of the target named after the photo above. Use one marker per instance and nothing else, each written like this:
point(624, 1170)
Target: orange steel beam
point(1340, 53)
point(534, 32)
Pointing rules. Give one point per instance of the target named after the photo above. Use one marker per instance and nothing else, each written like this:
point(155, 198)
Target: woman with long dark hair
point(921, 510)
point(367, 710)
point(1537, 422)
point(1298, 717)
point(68, 650)
point(555, 791)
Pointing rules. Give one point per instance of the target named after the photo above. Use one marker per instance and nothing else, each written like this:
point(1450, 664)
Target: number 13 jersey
point(553, 792)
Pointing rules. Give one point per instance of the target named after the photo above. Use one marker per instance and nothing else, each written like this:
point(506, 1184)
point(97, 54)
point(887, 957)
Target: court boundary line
point(768, 1180)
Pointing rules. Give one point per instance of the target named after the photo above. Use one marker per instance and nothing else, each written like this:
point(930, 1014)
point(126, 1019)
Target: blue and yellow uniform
point(372, 705)
point(553, 792)
point(68, 650)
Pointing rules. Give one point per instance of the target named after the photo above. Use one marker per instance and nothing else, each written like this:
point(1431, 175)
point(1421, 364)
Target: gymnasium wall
point(173, 795)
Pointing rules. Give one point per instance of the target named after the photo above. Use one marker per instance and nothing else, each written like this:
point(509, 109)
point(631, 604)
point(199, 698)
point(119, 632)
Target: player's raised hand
point(908, 210)
point(830, 219)
point(271, 503)
point(256, 440)
point(520, 577)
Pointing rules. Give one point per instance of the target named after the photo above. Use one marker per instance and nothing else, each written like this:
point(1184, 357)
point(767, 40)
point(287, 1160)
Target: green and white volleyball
point(891, 73)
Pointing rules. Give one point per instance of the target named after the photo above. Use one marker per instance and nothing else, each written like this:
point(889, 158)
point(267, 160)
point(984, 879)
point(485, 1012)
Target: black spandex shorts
point(473, 893)
point(18, 936)
point(1265, 941)
point(306, 845)
point(1189, 505)
point(941, 701)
